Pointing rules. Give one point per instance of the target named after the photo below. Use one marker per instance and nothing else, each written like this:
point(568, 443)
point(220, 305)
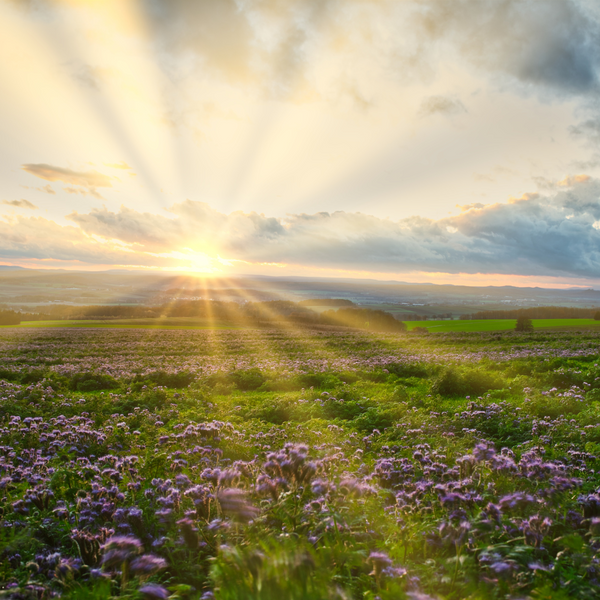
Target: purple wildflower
point(234, 504)
point(120, 548)
point(151, 591)
point(147, 564)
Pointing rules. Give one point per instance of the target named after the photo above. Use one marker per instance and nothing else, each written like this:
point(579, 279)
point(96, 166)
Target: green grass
point(500, 325)
point(431, 326)
point(169, 323)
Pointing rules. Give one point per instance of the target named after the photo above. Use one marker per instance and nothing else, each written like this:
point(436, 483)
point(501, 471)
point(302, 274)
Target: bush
point(324, 381)
point(374, 418)
point(91, 382)
point(524, 324)
point(593, 395)
point(404, 370)
point(473, 382)
point(348, 410)
point(477, 382)
point(449, 383)
point(178, 379)
point(33, 376)
point(250, 379)
point(9, 375)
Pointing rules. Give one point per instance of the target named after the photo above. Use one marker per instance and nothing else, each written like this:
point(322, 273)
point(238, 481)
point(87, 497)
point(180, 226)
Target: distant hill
point(326, 302)
point(24, 289)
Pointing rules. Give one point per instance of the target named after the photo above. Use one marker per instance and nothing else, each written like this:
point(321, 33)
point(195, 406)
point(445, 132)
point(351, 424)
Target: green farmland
point(500, 325)
point(191, 323)
point(169, 323)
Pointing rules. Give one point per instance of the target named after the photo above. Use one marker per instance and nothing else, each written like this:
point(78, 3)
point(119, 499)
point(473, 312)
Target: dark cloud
point(20, 203)
point(534, 235)
point(219, 34)
point(589, 129)
point(549, 43)
point(589, 132)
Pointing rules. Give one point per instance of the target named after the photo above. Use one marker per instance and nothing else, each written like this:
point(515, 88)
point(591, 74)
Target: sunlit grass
point(210, 323)
point(170, 323)
point(499, 325)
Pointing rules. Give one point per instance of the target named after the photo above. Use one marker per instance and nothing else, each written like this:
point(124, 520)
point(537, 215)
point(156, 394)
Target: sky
point(410, 140)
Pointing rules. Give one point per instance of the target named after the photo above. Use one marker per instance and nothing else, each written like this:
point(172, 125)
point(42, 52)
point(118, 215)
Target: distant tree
point(597, 316)
point(9, 317)
point(524, 324)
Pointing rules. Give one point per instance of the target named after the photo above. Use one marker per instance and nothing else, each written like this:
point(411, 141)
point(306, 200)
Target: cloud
point(572, 180)
point(47, 189)
point(548, 43)
point(83, 192)
point(589, 132)
point(566, 182)
point(89, 179)
point(87, 75)
point(20, 203)
point(80, 182)
point(42, 239)
point(219, 34)
point(120, 165)
point(441, 105)
point(532, 235)
point(473, 206)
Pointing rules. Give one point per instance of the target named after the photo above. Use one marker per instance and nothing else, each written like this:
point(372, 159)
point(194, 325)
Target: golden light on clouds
point(301, 136)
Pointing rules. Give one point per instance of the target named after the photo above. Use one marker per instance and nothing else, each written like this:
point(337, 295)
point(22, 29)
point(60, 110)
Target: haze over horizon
point(413, 140)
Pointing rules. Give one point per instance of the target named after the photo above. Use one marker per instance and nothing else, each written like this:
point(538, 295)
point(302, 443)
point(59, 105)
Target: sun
point(193, 261)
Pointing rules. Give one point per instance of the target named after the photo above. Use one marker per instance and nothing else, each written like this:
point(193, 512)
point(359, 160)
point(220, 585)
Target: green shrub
point(323, 381)
point(562, 378)
point(479, 381)
point(179, 379)
point(334, 408)
point(91, 382)
point(280, 410)
point(375, 418)
point(400, 394)
point(9, 375)
point(472, 382)
point(33, 376)
point(247, 380)
point(593, 395)
point(404, 370)
point(449, 383)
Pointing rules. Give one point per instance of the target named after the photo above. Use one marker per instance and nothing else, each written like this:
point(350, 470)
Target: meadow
point(156, 323)
point(501, 325)
point(444, 326)
point(300, 464)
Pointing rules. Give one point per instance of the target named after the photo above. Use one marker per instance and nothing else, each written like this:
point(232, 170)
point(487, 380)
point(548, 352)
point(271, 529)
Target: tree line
point(250, 313)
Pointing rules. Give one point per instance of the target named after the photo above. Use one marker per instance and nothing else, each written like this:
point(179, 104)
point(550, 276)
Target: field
point(431, 326)
point(501, 325)
point(295, 464)
point(169, 323)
